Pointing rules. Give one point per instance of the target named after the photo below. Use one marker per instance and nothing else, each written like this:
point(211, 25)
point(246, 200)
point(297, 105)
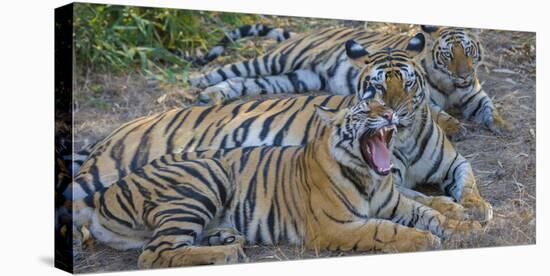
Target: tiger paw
point(451, 126)
point(477, 208)
point(222, 236)
point(447, 207)
point(497, 124)
point(193, 255)
point(418, 240)
point(455, 228)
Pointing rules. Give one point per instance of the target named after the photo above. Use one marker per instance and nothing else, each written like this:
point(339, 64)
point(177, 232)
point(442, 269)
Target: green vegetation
point(119, 39)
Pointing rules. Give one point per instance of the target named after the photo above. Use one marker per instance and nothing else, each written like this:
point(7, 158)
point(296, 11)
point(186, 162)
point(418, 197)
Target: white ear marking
point(356, 47)
point(415, 41)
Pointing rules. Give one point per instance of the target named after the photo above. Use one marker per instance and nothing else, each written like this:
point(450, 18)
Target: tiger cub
point(334, 193)
point(451, 70)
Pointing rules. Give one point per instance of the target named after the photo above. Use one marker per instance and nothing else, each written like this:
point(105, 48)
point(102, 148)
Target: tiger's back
point(314, 61)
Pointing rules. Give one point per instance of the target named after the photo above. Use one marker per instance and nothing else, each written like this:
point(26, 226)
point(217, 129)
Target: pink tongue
point(381, 155)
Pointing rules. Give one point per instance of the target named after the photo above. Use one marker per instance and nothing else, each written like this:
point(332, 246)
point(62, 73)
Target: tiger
point(422, 154)
point(315, 61)
point(333, 193)
point(451, 67)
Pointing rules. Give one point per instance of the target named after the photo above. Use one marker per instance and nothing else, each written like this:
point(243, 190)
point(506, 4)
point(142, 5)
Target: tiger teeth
point(385, 169)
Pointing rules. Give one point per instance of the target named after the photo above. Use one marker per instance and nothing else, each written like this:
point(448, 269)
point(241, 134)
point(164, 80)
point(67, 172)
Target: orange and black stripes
point(306, 62)
point(264, 122)
point(270, 195)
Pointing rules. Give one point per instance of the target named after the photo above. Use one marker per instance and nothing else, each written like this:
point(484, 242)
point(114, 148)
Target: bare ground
point(504, 165)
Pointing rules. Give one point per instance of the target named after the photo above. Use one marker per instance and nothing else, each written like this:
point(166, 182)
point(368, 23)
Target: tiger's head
point(454, 57)
point(361, 136)
point(392, 75)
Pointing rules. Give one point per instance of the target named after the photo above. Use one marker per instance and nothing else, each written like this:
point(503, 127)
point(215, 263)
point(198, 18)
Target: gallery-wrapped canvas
point(189, 138)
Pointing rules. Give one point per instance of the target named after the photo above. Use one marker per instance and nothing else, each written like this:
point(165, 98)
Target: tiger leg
point(222, 236)
point(177, 239)
point(454, 175)
point(405, 211)
point(173, 246)
point(459, 183)
point(186, 210)
point(390, 204)
point(295, 82)
point(221, 231)
point(244, 69)
point(476, 104)
point(376, 234)
point(443, 204)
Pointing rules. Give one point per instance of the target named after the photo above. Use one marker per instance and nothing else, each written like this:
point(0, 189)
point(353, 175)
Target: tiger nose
point(388, 115)
point(464, 76)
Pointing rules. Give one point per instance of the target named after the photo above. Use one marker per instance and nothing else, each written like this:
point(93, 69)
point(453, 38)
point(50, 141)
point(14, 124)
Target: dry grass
point(504, 166)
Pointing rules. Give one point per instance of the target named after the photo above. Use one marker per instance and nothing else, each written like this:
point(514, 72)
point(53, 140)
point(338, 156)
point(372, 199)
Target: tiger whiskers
point(404, 116)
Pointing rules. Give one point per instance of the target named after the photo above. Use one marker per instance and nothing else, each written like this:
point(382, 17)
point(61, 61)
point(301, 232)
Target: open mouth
point(463, 84)
point(376, 149)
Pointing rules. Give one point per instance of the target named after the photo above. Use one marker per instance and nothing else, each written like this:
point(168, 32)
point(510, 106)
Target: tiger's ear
point(416, 46)
point(474, 35)
point(357, 54)
point(431, 30)
point(329, 116)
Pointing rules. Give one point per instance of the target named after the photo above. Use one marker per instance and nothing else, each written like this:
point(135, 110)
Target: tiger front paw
point(192, 255)
point(420, 240)
point(497, 124)
point(222, 236)
point(411, 240)
point(476, 207)
point(448, 207)
point(451, 126)
point(456, 228)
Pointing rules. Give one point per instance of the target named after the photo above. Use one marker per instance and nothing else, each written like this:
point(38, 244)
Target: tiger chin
point(334, 193)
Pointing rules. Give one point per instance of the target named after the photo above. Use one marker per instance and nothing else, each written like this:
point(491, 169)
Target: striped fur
point(315, 61)
point(307, 62)
point(323, 195)
point(422, 153)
